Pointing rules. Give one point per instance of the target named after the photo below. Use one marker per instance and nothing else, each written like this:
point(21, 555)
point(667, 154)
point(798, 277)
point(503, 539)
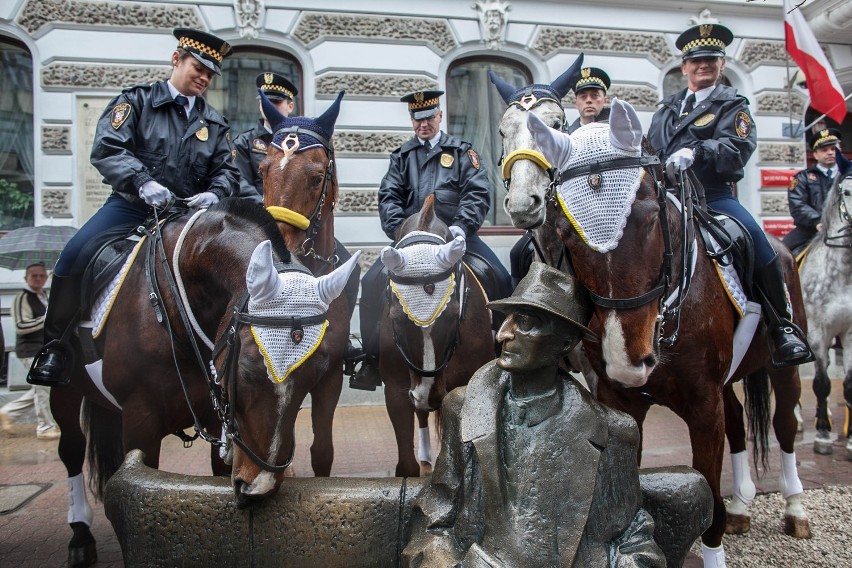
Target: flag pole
point(846, 98)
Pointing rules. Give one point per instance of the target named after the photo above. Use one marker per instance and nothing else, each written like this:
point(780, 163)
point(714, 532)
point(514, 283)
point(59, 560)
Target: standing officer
point(708, 127)
point(809, 188)
point(252, 144)
point(432, 162)
point(152, 142)
point(590, 90)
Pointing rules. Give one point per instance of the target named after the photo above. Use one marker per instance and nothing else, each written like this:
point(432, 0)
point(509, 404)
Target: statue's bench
point(167, 519)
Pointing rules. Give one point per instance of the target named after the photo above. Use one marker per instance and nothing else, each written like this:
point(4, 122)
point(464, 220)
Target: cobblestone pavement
point(36, 535)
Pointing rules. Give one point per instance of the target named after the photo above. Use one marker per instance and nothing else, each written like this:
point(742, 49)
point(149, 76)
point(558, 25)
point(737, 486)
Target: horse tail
point(105, 450)
point(756, 386)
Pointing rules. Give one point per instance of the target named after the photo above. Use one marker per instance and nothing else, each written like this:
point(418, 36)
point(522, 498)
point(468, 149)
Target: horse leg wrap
point(713, 557)
point(790, 483)
point(424, 448)
point(79, 510)
point(744, 488)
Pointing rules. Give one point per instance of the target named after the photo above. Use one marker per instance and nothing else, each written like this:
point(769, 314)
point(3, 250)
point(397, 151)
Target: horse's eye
point(316, 180)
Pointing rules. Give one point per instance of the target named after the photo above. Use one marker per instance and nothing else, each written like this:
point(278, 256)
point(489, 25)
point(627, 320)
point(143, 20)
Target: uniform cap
point(276, 86)
point(824, 137)
point(704, 40)
point(206, 48)
point(592, 78)
point(423, 104)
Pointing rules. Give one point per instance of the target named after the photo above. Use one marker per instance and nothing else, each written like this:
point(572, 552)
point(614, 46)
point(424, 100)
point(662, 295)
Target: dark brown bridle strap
point(607, 165)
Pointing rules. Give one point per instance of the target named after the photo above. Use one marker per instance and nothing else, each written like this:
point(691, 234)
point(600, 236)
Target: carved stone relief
point(641, 97)
point(780, 103)
point(56, 202)
point(774, 204)
point(249, 14)
point(313, 26)
point(366, 84)
point(755, 53)
point(368, 142)
point(493, 17)
point(779, 153)
point(37, 13)
point(369, 255)
point(551, 38)
point(56, 139)
point(358, 201)
point(65, 75)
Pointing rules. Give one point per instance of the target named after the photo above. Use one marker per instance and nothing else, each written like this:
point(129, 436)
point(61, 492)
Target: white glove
point(154, 194)
point(682, 159)
point(202, 200)
point(457, 231)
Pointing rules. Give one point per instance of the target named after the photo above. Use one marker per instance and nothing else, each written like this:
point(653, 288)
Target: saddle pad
point(102, 305)
point(730, 280)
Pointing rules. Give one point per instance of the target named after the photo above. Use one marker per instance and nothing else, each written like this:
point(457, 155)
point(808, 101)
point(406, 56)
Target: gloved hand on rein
point(457, 231)
point(154, 194)
point(202, 200)
point(682, 159)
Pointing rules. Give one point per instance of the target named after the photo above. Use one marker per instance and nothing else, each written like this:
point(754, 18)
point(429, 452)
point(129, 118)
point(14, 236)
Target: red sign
point(776, 178)
point(778, 227)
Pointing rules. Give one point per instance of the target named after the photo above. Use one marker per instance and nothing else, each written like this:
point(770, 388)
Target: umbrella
point(28, 245)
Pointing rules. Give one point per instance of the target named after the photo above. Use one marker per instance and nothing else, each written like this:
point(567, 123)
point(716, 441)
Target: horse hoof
point(425, 468)
point(84, 555)
point(797, 527)
point(737, 524)
point(823, 443)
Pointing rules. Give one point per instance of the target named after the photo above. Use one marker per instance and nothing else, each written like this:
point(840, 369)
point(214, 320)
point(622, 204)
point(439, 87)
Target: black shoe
point(50, 368)
point(789, 348)
point(351, 357)
point(367, 378)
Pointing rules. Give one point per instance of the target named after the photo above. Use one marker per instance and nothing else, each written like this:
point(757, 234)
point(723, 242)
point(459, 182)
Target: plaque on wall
point(91, 191)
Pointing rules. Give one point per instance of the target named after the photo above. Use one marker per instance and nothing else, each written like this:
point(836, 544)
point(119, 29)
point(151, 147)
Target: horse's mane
point(257, 214)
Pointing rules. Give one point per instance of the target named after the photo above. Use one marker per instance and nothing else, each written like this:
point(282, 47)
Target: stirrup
point(789, 328)
point(61, 375)
point(351, 358)
point(367, 378)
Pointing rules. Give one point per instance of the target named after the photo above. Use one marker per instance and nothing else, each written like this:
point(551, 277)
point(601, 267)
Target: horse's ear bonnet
point(556, 90)
point(322, 125)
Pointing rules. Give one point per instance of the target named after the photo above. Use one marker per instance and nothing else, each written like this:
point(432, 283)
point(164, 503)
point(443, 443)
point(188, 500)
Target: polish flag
point(824, 89)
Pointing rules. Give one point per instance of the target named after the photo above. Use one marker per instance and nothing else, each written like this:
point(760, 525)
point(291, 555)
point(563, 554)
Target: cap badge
point(267, 78)
point(418, 97)
point(202, 134)
point(586, 72)
point(823, 133)
point(704, 30)
point(119, 114)
point(447, 160)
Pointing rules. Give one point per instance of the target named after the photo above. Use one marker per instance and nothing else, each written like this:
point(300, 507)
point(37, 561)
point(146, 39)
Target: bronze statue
point(532, 470)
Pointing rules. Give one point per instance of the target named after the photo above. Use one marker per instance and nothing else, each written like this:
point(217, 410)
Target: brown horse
point(153, 377)
point(300, 190)
point(666, 328)
point(436, 331)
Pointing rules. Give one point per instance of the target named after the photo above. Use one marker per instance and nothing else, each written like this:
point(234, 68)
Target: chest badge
point(258, 145)
point(447, 160)
point(119, 114)
point(704, 119)
point(202, 134)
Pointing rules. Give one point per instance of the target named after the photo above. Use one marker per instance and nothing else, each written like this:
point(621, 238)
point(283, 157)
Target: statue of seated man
point(532, 470)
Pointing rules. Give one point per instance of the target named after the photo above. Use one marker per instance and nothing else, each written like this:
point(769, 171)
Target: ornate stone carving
point(37, 13)
point(368, 142)
point(780, 103)
point(366, 84)
point(358, 201)
point(369, 255)
point(641, 97)
point(755, 53)
point(493, 17)
point(65, 75)
point(779, 153)
point(552, 38)
point(249, 13)
point(56, 202)
point(774, 204)
point(56, 140)
point(313, 26)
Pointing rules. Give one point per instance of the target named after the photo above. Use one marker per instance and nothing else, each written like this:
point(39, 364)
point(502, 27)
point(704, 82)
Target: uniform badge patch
point(233, 153)
point(447, 160)
point(793, 183)
point(474, 158)
point(742, 123)
point(119, 114)
point(202, 134)
point(812, 176)
point(704, 119)
point(258, 145)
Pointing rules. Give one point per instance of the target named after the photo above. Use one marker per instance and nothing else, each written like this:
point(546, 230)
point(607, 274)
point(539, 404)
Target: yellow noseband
point(524, 154)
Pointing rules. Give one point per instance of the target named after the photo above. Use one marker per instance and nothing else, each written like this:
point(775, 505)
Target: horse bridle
point(311, 225)
point(527, 103)
point(844, 234)
point(456, 269)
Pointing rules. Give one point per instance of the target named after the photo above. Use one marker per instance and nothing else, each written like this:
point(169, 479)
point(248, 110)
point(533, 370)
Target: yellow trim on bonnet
point(128, 264)
point(571, 219)
point(438, 310)
point(296, 365)
point(289, 216)
point(524, 154)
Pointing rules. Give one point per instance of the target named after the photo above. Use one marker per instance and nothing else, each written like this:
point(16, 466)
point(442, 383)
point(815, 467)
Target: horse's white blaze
point(614, 348)
point(283, 163)
point(265, 481)
point(420, 394)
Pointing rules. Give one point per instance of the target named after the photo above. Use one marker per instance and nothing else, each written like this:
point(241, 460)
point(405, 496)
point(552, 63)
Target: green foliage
point(16, 206)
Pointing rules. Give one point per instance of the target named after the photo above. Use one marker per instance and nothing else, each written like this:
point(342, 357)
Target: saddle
point(733, 245)
point(108, 252)
point(486, 275)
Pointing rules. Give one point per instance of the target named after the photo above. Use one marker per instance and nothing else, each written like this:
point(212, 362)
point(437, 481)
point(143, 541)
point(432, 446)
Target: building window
point(234, 94)
point(16, 136)
point(474, 110)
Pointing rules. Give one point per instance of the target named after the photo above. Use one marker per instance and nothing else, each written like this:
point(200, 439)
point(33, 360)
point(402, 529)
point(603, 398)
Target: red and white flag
point(823, 87)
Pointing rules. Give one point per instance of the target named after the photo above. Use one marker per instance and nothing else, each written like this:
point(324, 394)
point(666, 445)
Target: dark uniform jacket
point(452, 171)
point(251, 147)
point(805, 197)
point(136, 142)
point(602, 117)
point(570, 498)
point(719, 129)
point(28, 313)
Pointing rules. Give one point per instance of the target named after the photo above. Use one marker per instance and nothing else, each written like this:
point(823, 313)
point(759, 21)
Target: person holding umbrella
point(152, 142)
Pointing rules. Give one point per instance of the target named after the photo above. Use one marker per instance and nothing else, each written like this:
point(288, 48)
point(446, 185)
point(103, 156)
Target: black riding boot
point(791, 347)
point(351, 357)
point(52, 366)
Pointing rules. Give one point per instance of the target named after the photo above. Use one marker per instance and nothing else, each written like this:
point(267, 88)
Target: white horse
point(827, 287)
